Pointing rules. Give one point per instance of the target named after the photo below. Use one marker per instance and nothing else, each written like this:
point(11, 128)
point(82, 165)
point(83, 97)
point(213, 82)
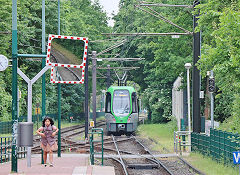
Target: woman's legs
point(50, 156)
point(45, 157)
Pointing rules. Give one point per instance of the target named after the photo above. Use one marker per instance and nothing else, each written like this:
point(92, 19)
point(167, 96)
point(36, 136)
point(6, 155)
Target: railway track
point(141, 165)
point(67, 72)
point(69, 142)
point(130, 156)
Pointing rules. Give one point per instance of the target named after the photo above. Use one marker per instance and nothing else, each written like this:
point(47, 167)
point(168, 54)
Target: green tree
point(219, 21)
point(165, 56)
point(80, 18)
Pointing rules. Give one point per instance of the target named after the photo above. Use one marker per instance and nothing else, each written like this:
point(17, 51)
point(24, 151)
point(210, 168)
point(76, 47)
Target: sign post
point(92, 124)
point(71, 118)
point(37, 111)
point(236, 159)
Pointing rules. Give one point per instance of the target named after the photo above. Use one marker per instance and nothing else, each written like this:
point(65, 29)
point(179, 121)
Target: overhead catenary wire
point(158, 15)
point(112, 47)
point(104, 40)
point(146, 34)
point(143, 3)
point(123, 68)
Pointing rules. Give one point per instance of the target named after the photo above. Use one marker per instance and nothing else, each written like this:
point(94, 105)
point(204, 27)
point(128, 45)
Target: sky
point(110, 6)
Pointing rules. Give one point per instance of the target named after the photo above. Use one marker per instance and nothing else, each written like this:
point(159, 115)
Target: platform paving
point(67, 164)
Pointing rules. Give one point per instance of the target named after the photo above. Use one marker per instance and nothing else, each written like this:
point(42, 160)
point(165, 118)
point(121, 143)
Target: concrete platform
point(68, 164)
point(94, 170)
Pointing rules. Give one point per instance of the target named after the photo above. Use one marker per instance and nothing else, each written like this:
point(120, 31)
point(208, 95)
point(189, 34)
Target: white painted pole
point(29, 117)
point(212, 105)
point(188, 66)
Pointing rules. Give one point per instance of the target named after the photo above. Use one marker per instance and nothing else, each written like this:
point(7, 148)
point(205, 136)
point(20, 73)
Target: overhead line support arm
point(165, 5)
point(145, 34)
point(162, 18)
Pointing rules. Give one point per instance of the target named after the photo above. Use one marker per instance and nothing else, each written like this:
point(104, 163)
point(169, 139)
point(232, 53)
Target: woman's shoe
point(51, 165)
point(45, 165)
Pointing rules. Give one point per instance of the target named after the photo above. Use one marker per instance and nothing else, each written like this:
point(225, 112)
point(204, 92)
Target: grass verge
point(160, 134)
point(162, 137)
point(208, 166)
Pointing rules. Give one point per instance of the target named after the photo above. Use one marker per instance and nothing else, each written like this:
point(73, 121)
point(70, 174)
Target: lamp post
point(188, 66)
point(211, 85)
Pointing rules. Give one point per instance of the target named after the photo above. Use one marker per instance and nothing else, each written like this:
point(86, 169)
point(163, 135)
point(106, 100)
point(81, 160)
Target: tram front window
point(121, 103)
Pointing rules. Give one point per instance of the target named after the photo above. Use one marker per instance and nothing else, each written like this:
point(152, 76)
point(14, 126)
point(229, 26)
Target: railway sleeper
point(143, 166)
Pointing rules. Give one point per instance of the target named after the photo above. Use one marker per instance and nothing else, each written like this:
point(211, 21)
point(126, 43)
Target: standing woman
point(48, 143)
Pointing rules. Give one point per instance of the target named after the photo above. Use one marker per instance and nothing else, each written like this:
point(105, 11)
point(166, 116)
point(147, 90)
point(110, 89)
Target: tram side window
point(108, 103)
point(134, 103)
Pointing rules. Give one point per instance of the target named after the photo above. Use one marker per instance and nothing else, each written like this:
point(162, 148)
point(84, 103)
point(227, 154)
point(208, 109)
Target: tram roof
point(113, 88)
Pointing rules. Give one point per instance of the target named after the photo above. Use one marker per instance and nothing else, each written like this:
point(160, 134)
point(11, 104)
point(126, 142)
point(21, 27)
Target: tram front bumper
point(117, 127)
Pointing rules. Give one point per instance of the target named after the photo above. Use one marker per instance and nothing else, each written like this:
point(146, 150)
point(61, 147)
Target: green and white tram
point(121, 110)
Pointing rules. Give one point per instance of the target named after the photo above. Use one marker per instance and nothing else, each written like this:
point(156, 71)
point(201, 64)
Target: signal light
point(211, 84)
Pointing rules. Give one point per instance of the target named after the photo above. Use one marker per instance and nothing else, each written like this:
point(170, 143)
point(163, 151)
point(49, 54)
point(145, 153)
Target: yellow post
point(91, 124)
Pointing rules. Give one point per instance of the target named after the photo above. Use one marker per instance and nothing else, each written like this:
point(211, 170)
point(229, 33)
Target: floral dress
point(48, 143)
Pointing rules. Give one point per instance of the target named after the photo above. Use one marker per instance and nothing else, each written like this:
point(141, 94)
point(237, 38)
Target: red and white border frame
point(82, 66)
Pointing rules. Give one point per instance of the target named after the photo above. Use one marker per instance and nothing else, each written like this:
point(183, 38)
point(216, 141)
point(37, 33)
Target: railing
point(6, 126)
point(220, 145)
point(93, 132)
point(6, 148)
point(181, 140)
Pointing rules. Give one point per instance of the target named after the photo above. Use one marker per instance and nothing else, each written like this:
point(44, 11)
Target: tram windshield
point(121, 103)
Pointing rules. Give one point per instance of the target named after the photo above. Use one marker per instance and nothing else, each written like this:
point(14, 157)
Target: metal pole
point(18, 99)
point(59, 95)
point(29, 119)
point(212, 105)
point(14, 86)
point(94, 79)
point(196, 77)
point(108, 76)
point(86, 99)
point(30, 83)
point(189, 115)
point(58, 17)
point(59, 120)
point(43, 65)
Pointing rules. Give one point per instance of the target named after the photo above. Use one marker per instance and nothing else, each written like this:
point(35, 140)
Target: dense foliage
point(219, 21)
point(78, 17)
point(164, 56)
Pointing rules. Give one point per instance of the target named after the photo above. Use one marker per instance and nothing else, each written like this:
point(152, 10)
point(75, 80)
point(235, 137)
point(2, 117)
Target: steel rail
point(158, 161)
point(68, 69)
point(66, 130)
point(117, 161)
point(81, 131)
point(151, 159)
point(122, 163)
point(190, 166)
point(71, 128)
point(127, 152)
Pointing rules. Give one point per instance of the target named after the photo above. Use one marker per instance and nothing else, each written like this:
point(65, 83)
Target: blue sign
point(236, 157)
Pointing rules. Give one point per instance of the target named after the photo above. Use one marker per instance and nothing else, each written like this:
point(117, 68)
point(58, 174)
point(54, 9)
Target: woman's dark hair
point(47, 118)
